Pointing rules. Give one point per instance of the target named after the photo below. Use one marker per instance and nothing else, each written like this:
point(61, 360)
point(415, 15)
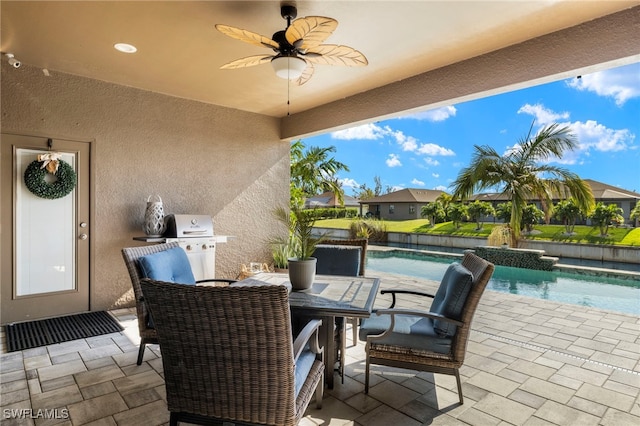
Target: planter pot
point(302, 273)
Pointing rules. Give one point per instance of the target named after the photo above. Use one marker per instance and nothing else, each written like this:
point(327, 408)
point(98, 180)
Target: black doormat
point(33, 334)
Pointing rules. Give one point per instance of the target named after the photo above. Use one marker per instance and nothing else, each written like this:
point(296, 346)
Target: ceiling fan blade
point(310, 31)
point(306, 75)
point(333, 54)
point(249, 61)
point(247, 36)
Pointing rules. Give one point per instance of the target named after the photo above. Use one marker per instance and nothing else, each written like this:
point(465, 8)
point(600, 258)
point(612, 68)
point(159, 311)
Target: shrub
point(372, 229)
point(500, 235)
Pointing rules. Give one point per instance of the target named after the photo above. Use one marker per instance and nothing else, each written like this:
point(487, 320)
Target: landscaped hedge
point(334, 213)
point(518, 258)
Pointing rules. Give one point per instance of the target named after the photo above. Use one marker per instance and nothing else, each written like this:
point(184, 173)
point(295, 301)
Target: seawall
point(597, 252)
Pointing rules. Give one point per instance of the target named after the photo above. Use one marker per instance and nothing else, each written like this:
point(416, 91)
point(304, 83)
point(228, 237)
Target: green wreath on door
point(34, 177)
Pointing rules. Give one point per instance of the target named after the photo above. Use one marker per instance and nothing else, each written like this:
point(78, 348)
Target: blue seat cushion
point(170, 265)
point(336, 259)
point(409, 332)
point(303, 367)
point(450, 298)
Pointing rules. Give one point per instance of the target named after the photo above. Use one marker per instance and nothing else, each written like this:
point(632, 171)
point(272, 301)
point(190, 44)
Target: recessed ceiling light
point(125, 48)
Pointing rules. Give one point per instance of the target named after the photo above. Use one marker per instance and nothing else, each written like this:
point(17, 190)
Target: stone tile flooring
point(529, 362)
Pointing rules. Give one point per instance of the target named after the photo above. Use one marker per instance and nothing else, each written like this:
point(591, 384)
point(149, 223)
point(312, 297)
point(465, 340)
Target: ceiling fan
point(296, 48)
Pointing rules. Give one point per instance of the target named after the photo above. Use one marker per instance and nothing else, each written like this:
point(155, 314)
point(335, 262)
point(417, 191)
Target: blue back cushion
point(169, 265)
point(303, 366)
point(336, 259)
point(450, 297)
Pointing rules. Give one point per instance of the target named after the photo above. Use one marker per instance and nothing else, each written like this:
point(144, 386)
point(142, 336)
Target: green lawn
point(582, 234)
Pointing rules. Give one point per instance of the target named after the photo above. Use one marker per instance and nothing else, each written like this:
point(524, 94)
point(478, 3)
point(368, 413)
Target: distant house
point(407, 203)
point(329, 200)
point(400, 205)
point(602, 193)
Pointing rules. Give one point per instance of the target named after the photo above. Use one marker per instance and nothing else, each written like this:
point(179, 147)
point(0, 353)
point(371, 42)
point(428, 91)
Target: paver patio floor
point(529, 362)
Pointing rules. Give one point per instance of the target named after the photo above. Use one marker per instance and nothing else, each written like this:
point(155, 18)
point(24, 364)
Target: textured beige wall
point(199, 158)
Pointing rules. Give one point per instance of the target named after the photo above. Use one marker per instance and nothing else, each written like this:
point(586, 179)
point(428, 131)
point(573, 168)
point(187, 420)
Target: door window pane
point(45, 235)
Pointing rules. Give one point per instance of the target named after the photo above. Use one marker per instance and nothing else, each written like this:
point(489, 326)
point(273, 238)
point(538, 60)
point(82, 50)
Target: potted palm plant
point(302, 244)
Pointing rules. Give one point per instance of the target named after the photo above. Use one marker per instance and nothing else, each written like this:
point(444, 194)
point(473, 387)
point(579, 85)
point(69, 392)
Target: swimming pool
point(603, 292)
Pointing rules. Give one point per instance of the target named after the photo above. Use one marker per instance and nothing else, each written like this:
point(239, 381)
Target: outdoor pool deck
point(529, 362)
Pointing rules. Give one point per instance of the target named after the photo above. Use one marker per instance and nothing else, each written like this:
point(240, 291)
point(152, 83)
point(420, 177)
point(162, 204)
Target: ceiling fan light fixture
point(125, 48)
point(288, 67)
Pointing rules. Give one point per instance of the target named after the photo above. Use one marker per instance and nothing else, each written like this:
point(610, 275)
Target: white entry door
point(45, 237)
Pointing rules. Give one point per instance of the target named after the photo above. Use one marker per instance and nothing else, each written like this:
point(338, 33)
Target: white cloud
point(511, 149)
point(369, 131)
point(417, 182)
point(440, 188)
point(591, 136)
point(543, 115)
point(349, 183)
point(435, 175)
point(407, 143)
point(621, 83)
point(431, 162)
point(393, 161)
point(438, 114)
point(433, 149)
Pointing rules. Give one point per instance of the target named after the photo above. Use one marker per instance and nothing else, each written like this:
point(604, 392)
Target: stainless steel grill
point(194, 233)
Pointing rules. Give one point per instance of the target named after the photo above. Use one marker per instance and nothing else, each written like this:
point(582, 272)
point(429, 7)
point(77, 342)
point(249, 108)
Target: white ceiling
point(180, 52)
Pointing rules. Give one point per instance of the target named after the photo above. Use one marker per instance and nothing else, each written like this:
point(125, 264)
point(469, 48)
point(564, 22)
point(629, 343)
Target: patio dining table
point(329, 297)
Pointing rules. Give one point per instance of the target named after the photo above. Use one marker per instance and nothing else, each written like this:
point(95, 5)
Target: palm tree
point(313, 171)
point(635, 213)
point(524, 172)
point(604, 215)
point(478, 209)
point(568, 213)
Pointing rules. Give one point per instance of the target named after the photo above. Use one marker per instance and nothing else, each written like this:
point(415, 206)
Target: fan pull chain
point(288, 103)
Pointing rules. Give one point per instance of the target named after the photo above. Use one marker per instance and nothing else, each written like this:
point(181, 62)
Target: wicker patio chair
point(131, 255)
point(434, 341)
point(228, 354)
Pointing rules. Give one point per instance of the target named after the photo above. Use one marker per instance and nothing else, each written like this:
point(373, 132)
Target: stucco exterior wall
point(199, 158)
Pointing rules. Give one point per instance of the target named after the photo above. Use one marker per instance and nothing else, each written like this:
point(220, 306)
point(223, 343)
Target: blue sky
point(428, 149)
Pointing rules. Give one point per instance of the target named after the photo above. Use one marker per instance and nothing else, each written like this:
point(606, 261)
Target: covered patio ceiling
point(414, 49)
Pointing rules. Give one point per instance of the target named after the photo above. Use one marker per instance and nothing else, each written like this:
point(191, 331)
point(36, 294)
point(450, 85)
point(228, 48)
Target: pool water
point(603, 292)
